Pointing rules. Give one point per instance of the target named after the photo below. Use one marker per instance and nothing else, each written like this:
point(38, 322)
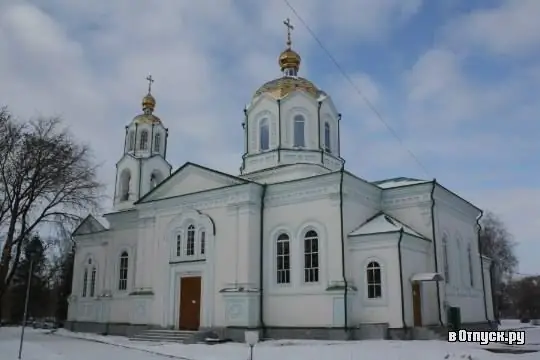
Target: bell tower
point(143, 165)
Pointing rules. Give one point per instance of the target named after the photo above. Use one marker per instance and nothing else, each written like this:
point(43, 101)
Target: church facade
point(294, 246)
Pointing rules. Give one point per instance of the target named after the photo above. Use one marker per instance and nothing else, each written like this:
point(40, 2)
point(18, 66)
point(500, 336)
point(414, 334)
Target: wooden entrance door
point(190, 303)
point(417, 303)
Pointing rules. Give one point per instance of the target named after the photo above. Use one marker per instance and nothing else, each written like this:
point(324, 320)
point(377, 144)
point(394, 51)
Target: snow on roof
point(396, 182)
point(382, 223)
point(102, 221)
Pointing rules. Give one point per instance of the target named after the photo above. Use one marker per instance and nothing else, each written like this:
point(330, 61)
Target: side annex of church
point(295, 246)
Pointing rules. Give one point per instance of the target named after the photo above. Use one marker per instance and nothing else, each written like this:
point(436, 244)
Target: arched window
point(203, 242)
point(123, 275)
point(144, 140)
point(125, 183)
point(299, 131)
point(178, 245)
point(131, 141)
point(327, 146)
point(311, 257)
point(374, 283)
point(190, 243)
point(283, 257)
point(93, 282)
point(85, 282)
point(157, 140)
point(471, 271)
point(446, 264)
point(264, 135)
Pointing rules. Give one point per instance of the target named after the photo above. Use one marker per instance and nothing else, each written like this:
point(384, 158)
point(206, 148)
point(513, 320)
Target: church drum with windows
point(294, 246)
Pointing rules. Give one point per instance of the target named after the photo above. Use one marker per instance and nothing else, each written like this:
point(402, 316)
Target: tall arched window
point(327, 146)
point(144, 140)
point(283, 257)
point(311, 257)
point(264, 135)
point(157, 142)
point(131, 141)
point(85, 282)
point(202, 243)
point(93, 282)
point(178, 245)
point(299, 131)
point(471, 271)
point(446, 264)
point(374, 281)
point(190, 243)
point(123, 273)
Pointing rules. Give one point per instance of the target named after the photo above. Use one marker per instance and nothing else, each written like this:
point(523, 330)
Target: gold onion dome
point(148, 102)
point(289, 59)
point(289, 62)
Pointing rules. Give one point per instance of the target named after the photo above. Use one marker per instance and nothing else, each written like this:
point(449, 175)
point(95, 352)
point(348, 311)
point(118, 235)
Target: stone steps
point(163, 335)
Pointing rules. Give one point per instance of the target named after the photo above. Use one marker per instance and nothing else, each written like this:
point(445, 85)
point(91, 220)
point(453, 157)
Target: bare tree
point(497, 243)
point(46, 177)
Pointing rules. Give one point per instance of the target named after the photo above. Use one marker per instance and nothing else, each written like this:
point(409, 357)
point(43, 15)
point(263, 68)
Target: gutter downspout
point(246, 143)
point(319, 104)
point(165, 150)
point(495, 303)
point(401, 279)
point(261, 266)
point(479, 228)
point(343, 269)
point(279, 131)
point(434, 235)
point(339, 135)
point(127, 139)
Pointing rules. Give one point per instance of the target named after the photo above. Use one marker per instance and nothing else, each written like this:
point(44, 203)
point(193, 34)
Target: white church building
point(294, 246)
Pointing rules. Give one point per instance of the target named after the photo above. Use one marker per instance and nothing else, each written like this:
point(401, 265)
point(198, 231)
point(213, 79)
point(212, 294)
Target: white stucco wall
point(456, 221)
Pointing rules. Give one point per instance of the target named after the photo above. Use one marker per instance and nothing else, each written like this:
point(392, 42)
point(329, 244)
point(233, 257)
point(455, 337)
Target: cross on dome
point(150, 81)
point(290, 27)
point(289, 60)
point(149, 102)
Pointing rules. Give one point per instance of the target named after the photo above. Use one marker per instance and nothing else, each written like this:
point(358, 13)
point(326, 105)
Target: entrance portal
point(190, 303)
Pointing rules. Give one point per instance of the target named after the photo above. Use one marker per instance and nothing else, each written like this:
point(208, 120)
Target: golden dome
point(148, 119)
point(281, 87)
point(289, 59)
point(148, 102)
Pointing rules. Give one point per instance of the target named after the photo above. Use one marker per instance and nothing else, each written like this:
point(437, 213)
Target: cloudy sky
point(458, 80)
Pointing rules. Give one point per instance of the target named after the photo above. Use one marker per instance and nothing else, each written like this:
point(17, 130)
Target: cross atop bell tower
point(290, 27)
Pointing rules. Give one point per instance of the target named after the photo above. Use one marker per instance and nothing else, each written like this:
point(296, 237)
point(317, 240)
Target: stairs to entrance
point(163, 335)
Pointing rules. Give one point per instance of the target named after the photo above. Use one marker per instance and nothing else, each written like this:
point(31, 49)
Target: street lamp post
point(26, 306)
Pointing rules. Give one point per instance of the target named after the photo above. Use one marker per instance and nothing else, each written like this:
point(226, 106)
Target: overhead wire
point(355, 87)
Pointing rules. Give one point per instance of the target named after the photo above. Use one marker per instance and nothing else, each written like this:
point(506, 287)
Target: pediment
point(189, 179)
point(89, 225)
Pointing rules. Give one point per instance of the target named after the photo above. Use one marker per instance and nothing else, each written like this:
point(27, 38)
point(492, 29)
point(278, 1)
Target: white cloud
point(509, 29)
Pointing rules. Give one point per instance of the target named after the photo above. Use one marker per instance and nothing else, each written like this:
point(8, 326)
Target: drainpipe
point(343, 270)
point(279, 131)
point(479, 228)
point(401, 279)
point(434, 234)
point(261, 265)
point(246, 135)
point(319, 130)
point(127, 139)
point(339, 135)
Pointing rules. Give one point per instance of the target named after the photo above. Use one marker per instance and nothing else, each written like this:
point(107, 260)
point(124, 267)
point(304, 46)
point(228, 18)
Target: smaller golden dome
point(148, 102)
point(289, 59)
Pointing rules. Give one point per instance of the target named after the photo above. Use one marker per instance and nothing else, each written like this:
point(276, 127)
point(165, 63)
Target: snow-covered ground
point(65, 345)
